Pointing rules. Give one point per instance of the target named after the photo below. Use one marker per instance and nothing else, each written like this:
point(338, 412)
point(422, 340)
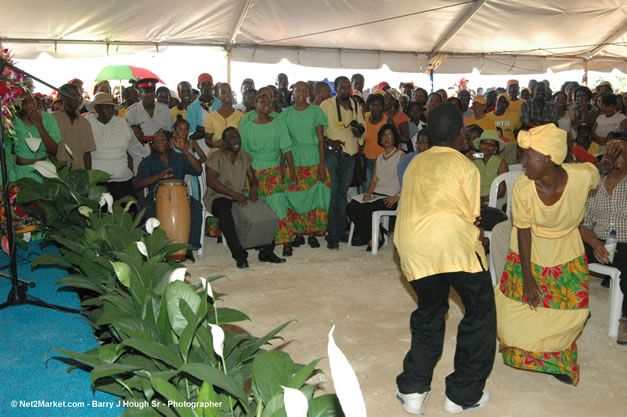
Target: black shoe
point(344, 238)
point(333, 245)
point(563, 378)
point(380, 245)
point(242, 263)
point(298, 240)
point(270, 257)
point(358, 241)
point(606, 282)
point(189, 255)
point(287, 250)
point(313, 242)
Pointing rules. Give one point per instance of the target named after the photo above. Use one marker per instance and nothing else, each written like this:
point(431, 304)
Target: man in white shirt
point(115, 144)
point(148, 113)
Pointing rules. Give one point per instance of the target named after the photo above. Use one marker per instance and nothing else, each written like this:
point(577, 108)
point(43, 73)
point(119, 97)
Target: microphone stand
point(18, 293)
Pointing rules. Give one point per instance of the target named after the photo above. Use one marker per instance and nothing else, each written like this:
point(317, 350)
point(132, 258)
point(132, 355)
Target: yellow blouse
point(555, 235)
point(215, 123)
point(435, 231)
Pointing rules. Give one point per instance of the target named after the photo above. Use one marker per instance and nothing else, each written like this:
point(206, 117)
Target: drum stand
point(18, 293)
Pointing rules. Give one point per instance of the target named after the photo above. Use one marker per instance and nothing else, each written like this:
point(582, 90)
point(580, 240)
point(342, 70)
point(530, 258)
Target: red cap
point(510, 82)
point(204, 77)
point(382, 85)
point(147, 83)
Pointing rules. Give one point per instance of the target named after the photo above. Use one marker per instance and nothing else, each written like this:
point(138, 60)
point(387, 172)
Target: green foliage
point(156, 344)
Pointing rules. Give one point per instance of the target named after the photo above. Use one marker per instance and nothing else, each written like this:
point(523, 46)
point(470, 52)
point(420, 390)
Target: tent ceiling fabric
point(402, 34)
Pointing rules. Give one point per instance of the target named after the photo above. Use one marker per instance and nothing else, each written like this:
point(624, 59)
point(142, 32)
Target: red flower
point(555, 271)
point(3, 88)
point(546, 301)
point(18, 92)
point(582, 295)
point(513, 257)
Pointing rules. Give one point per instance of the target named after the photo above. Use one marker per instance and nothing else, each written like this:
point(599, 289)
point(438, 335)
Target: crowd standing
point(301, 147)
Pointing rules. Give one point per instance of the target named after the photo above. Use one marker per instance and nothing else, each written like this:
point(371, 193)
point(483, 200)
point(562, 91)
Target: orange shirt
point(371, 147)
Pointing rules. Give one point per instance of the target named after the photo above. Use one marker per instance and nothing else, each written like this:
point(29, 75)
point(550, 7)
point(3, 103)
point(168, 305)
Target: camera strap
point(339, 111)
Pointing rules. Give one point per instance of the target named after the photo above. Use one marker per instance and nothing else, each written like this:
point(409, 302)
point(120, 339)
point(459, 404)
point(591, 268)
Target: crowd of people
point(322, 155)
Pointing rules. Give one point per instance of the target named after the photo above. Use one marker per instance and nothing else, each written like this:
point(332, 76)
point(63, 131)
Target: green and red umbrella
point(125, 72)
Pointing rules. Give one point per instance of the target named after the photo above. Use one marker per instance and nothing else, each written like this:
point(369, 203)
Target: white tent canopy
point(495, 36)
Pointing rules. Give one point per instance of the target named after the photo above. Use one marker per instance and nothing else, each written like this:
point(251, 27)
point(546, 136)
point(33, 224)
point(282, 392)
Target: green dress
point(308, 198)
point(265, 143)
point(21, 149)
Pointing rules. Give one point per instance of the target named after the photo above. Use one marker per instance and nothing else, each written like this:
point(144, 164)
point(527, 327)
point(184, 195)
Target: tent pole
point(228, 67)
point(585, 73)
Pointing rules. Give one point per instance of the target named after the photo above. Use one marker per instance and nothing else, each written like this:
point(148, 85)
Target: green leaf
point(83, 358)
point(95, 176)
point(109, 353)
point(228, 315)
point(78, 281)
point(216, 377)
point(174, 293)
point(155, 350)
point(303, 375)
point(110, 369)
point(172, 394)
point(325, 406)
point(50, 259)
point(205, 395)
point(257, 343)
point(271, 370)
point(275, 405)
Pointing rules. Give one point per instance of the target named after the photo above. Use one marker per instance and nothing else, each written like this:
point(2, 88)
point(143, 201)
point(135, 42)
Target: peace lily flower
point(33, 143)
point(217, 334)
point(85, 211)
point(141, 247)
point(345, 381)
point(69, 151)
point(206, 286)
point(123, 272)
point(46, 169)
point(296, 404)
point(152, 224)
point(106, 198)
point(177, 275)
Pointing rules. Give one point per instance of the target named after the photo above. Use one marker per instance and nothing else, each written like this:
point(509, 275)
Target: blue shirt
point(153, 165)
point(403, 164)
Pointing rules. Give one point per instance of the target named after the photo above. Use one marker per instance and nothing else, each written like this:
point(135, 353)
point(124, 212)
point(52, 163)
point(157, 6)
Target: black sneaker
point(333, 245)
point(270, 257)
point(298, 240)
point(242, 263)
point(313, 242)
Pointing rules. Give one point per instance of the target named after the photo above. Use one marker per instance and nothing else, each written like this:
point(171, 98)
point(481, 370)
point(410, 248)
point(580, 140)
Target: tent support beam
point(239, 22)
point(622, 29)
point(228, 67)
point(457, 26)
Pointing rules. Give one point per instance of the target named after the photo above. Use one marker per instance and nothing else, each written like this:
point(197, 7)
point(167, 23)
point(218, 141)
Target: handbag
point(359, 174)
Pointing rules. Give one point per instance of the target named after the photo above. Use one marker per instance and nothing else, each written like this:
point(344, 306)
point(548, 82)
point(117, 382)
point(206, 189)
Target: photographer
point(345, 133)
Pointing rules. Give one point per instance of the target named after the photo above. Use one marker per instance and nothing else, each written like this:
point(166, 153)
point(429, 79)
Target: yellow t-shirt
point(337, 130)
point(486, 123)
point(176, 112)
point(215, 123)
point(514, 106)
point(555, 235)
point(435, 231)
point(509, 122)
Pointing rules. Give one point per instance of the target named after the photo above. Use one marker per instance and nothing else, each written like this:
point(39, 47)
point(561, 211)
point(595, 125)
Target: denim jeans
point(369, 171)
point(341, 168)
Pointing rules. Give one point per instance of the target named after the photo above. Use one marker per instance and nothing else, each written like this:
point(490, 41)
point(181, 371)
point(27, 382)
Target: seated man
point(227, 170)
point(605, 210)
point(163, 164)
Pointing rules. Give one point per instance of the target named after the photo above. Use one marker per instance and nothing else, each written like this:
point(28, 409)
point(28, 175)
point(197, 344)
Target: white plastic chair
point(616, 295)
point(516, 167)
point(498, 249)
point(202, 181)
point(509, 178)
point(378, 217)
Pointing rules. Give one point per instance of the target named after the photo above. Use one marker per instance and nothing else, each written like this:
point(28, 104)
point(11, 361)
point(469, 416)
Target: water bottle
point(610, 244)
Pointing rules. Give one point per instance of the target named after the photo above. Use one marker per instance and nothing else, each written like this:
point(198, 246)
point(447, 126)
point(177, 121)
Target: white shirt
point(606, 124)
point(161, 118)
point(113, 141)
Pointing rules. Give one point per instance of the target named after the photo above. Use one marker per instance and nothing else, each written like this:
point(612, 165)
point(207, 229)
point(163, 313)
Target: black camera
point(360, 128)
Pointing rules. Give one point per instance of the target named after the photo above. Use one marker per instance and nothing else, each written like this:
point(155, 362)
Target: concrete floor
point(369, 302)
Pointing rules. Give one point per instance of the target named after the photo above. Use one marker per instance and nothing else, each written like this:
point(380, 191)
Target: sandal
point(298, 240)
point(313, 242)
point(287, 250)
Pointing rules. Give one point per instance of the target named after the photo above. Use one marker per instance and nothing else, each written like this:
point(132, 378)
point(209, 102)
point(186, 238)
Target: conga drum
point(174, 214)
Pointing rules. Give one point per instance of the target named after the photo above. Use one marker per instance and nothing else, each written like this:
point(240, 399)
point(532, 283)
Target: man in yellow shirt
point(439, 247)
point(514, 101)
point(508, 121)
point(484, 120)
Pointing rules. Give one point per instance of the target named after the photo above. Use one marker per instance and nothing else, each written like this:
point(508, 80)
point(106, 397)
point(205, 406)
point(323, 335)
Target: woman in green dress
point(41, 130)
point(267, 141)
point(309, 196)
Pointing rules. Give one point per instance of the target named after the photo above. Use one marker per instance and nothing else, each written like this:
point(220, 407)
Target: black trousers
point(620, 263)
point(476, 336)
point(221, 208)
point(361, 215)
point(119, 189)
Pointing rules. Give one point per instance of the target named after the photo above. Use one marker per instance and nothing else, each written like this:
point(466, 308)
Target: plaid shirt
point(603, 209)
point(530, 111)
